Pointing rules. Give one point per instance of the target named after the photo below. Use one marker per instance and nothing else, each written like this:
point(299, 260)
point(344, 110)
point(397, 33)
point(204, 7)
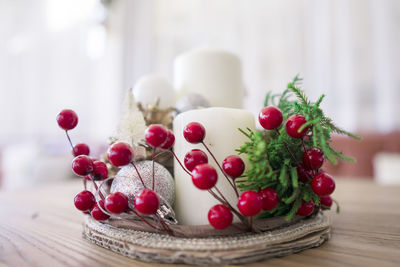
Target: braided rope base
point(236, 249)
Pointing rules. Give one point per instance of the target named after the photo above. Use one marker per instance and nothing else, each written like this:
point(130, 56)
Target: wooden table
point(40, 227)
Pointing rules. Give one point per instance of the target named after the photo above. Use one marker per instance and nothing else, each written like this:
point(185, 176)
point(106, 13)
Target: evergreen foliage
point(271, 165)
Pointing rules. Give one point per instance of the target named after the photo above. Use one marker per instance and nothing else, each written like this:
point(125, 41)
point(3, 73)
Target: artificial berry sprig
point(288, 155)
point(119, 154)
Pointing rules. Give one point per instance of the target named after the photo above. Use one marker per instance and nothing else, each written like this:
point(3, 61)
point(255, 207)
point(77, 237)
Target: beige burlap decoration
point(277, 239)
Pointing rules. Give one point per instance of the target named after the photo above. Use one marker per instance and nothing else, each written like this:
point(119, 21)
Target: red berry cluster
point(204, 177)
point(146, 202)
point(308, 170)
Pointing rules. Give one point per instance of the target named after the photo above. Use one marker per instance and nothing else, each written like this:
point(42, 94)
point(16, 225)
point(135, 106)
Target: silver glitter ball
point(191, 101)
point(128, 182)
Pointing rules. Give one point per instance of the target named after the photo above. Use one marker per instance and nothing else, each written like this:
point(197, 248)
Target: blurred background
point(85, 55)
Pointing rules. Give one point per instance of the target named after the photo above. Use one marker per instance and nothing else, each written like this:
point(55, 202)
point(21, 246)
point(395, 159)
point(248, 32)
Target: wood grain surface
point(41, 227)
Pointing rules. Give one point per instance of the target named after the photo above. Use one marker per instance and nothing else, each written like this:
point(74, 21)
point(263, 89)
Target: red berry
point(194, 132)
point(204, 176)
point(82, 165)
point(120, 154)
point(84, 200)
point(270, 117)
point(306, 208)
point(97, 213)
point(170, 140)
point(304, 175)
point(269, 198)
point(326, 202)
point(156, 135)
point(293, 125)
point(313, 158)
point(250, 203)
point(233, 166)
point(193, 158)
point(323, 184)
point(220, 217)
point(116, 203)
point(81, 149)
point(67, 119)
point(147, 202)
point(100, 170)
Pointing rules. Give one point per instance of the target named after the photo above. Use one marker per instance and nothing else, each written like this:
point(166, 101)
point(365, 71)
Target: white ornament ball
point(149, 88)
point(127, 181)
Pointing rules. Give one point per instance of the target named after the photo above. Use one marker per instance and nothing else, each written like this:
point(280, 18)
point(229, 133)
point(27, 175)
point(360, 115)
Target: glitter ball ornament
point(128, 182)
point(191, 101)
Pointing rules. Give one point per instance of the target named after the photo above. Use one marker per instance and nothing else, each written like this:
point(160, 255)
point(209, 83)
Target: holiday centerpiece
point(265, 200)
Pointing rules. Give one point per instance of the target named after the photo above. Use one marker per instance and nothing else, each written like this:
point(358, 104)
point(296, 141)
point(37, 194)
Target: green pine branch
point(271, 165)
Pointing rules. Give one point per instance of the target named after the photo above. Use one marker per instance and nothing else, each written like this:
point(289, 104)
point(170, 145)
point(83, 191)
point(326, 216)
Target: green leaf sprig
point(271, 165)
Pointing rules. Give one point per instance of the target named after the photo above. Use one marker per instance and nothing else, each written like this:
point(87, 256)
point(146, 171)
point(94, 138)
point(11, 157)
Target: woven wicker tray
point(277, 239)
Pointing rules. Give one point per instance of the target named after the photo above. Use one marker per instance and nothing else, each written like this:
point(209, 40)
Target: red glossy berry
point(269, 198)
point(81, 149)
point(116, 203)
point(97, 213)
point(233, 166)
point(67, 119)
point(193, 158)
point(220, 217)
point(250, 203)
point(156, 135)
point(84, 200)
point(293, 125)
point(120, 154)
point(82, 165)
point(313, 158)
point(323, 184)
point(270, 117)
point(170, 140)
point(326, 202)
point(147, 202)
point(100, 170)
point(306, 208)
point(194, 132)
point(204, 176)
point(304, 175)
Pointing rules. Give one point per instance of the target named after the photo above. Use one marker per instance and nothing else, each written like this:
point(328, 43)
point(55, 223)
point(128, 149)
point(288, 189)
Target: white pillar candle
point(215, 74)
point(222, 137)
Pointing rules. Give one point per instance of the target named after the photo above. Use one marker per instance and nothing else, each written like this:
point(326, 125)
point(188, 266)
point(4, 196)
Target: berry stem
point(69, 140)
point(238, 228)
point(164, 225)
point(180, 163)
point(145, 221)
point(138, 173)
point(304, 146)
point(219, 166)
point(96, 187)
point(287, 148)
point(221, 195)
point(153, 157)
point(226, 203)
point(337, 205)
point(305, 149)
